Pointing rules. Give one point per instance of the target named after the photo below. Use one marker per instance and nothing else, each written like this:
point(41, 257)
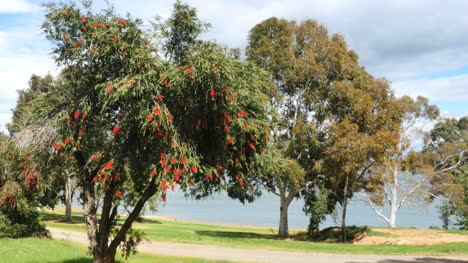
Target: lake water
point(264, 212)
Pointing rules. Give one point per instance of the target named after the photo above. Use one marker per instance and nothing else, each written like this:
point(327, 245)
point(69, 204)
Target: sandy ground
point(259, 255)
point(411, 237)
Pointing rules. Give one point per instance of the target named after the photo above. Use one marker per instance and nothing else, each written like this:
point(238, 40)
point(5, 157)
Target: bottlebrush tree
point(138, 124)
point(21, 189)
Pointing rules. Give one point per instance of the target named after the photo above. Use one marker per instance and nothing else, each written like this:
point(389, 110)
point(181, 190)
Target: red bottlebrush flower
point(176, 175)
point(122, 21)
point(252, 146)
point(207, 177)
point(64, 39)
point(131, 82)
point(84, 115)
point(245, 126)
point(67, 12)
point(189, 70)
point(77, 115)
point(234, 94)
point(30, 127)
point(230, 141)
point(157, 112)
point(84, 19)
point(68, 120)
point(168, 169)
point(173, 161)
point(170, 118)
point(161, 156)
point(261, 148)
point(149, 118)
point(118, 194)
point(183, 160)
point(57, 146)
point(153, 173)
point(241, 182)
point(119, 117)
point(163, 196)
point(163, 184)
point(110, 88)
point(80, 132)
point(198, 122)
point(66, 141)
point(159, 97)
point(182, 171)
point(215, 69)
point(185, 20)
point(163, 163)
point(42, 26)
point(108, 165)
point(165, 82)
point(97, 25)
point(212, 93)
point(193, 168)
point(77, 144)
point(172, 188)
point(93, 158)
point(116, 130)
point(84, 28)
point(116, 176)
point(237, 177)
point(122, 53)
point(107, 188)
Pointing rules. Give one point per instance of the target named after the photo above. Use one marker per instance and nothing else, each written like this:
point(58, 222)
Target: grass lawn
point(29, 250)
point(260, 238)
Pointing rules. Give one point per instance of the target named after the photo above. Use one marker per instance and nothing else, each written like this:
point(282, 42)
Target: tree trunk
point(394, 198)
point(104, 257)
point(343, 214)
point(68, 197)
point(283, 230)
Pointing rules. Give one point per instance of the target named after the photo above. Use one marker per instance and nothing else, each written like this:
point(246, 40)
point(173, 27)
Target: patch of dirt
point(411, 237)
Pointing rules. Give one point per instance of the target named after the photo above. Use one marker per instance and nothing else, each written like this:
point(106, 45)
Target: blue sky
point(420, 45)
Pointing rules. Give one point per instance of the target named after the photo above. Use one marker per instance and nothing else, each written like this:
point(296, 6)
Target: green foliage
point(178, 35)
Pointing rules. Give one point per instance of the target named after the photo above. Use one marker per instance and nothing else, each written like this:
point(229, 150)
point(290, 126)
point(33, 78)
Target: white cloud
point(17, 6)
point(448, 89)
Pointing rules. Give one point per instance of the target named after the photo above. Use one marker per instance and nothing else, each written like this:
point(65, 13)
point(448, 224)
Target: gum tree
point(137, 123)
point(322, 89)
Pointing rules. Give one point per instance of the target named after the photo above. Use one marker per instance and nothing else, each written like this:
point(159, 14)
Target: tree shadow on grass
point(83, 260)
point(230, 234)
point(59, 218)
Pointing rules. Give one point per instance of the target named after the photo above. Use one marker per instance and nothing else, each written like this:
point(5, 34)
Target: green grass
point(32, 250)
point(259, 238)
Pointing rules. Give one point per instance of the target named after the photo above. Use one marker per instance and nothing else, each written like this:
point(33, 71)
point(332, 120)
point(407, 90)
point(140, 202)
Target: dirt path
point(412, 237)
point(258, 255)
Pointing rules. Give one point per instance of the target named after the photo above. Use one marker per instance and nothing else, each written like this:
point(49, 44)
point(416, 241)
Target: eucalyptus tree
point(321, 86)
point(403, 181)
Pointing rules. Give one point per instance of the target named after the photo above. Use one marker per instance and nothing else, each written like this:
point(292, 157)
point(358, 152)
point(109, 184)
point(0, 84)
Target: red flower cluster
point(110, 88)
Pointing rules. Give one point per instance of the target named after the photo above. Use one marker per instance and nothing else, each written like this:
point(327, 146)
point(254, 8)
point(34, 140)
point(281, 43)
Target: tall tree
point(320, 85)
point(136, 123)
point(28, 115)
point(446, 153)
point(403, 181)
